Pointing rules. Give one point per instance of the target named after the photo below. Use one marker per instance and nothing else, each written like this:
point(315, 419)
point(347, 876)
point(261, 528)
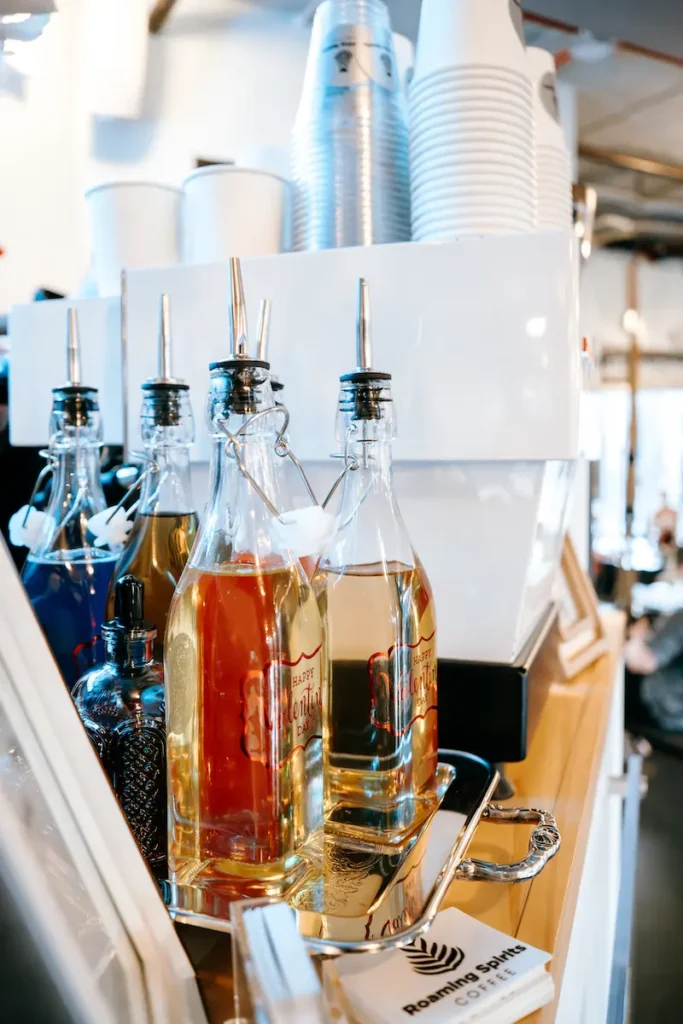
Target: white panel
point(37, 335)
point(481, 336)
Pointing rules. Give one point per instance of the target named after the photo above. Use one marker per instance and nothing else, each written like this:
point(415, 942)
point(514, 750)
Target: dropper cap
point(129, 604)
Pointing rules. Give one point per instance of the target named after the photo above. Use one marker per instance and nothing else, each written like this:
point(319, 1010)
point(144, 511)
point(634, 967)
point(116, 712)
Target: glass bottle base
point(370, 808)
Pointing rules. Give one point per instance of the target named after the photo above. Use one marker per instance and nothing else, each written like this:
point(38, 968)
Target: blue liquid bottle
point(66, 576)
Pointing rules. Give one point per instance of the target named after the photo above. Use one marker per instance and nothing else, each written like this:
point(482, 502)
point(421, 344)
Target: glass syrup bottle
point(121, 704)
point(66, 574)
point(165, 522)
point(380, 747)
point(244, 661)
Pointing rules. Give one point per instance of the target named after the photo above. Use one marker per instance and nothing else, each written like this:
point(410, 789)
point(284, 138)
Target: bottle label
point(271, 736)
point(403, 682)
point(357, 55)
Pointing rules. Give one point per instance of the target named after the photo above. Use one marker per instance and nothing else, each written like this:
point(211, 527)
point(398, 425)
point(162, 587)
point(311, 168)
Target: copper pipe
point(632, 162)
point(159, 15)
point(624, 47)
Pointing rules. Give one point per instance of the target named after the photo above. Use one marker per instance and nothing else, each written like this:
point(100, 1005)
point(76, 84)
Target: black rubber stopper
point(130, 602)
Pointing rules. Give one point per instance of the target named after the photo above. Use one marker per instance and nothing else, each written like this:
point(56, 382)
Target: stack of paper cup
point(553, 170)
point(471, 122)
point(350, 138)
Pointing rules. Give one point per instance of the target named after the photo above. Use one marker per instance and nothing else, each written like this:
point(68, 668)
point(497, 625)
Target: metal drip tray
point(361, 898)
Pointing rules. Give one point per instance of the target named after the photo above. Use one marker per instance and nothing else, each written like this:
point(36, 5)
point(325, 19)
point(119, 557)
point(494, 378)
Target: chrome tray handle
point(543, 845)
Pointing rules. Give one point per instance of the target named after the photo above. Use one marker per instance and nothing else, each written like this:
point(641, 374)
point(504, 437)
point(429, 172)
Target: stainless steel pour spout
point(165, 340)
point(239, 335)
point(263, 333)
point(73, 348)
point(164, 367)
point(363, 338)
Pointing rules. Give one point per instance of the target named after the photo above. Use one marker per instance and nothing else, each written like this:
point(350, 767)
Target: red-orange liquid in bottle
point(253, 722)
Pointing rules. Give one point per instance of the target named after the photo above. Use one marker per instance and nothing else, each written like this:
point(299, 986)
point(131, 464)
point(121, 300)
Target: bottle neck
point(370, 527)
point(167, 487)
point(239, 525)
point(128, 652)
point(77, 470)
point(76, 495)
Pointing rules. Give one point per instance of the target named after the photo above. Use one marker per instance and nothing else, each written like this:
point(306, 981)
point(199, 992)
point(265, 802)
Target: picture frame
point(581, 633)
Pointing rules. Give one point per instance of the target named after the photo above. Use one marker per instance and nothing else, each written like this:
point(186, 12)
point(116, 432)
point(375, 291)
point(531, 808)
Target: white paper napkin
point(461, 970)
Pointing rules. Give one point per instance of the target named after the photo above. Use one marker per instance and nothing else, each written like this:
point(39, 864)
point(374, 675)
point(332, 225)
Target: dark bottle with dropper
point(122, 707)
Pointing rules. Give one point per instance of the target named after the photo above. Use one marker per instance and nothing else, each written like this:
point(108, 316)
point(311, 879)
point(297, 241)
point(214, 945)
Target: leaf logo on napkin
point(434, 959)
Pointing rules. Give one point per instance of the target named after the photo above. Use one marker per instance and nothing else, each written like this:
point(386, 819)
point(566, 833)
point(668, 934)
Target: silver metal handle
point(543, 845)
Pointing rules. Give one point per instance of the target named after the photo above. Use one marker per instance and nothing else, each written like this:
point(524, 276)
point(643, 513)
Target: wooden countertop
point(560, 775)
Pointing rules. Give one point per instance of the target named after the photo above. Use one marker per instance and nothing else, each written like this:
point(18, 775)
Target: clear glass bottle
point(166, 521)
point(380, 747)
point(304, 524)
point(121, 705)
point(66, 575)
point(244, 661)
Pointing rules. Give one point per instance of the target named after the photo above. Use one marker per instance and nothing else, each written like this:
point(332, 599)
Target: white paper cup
point(457, 32)
point(234, 211)
point(464, 106)
point(469, 80)
point(515, 203)
point(449, 233)
point(436, 158)
point(474, 131)
point(454, 192)
point(134, 224)
point(548, 129)
point(484, 210)
point(484, 219)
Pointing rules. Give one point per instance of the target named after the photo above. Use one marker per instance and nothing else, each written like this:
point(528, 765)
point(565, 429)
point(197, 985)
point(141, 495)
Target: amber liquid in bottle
point(158, 547)
point(381, 724)
point(244, 650)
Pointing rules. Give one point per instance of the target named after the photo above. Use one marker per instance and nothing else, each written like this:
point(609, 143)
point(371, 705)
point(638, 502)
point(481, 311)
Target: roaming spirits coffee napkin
point(461, 970)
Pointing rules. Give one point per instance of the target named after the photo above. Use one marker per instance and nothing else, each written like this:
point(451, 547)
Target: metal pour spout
point(73, 348)
point(363, 338)
point(263, 333)
point(239, 337)
point(165, 341)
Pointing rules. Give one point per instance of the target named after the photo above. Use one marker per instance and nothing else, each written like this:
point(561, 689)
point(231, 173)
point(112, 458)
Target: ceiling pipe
point(623, 47)
point(632, 162)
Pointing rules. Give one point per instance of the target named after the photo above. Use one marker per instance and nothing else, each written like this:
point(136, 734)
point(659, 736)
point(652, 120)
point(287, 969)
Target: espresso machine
point(481, 337)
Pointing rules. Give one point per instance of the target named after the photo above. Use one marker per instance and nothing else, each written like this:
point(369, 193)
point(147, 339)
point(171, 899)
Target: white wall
point(660, 301)
point(224, 76)
point(42, 229)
